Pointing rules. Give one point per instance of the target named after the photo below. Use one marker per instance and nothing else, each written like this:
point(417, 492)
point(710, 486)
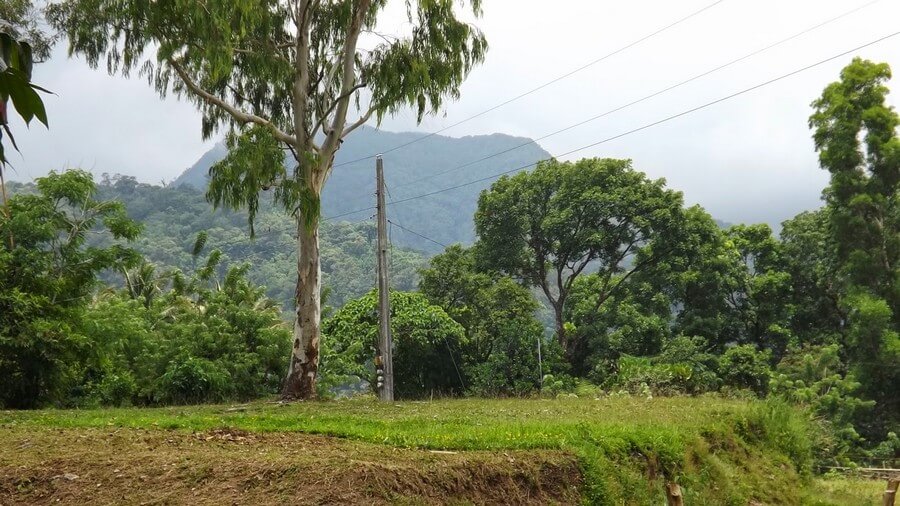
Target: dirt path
point(131, 466)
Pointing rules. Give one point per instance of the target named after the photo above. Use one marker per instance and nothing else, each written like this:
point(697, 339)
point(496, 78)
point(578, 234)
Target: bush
point(117, 389)
point(427, 343)
point(812, 377)
point(744, 367)
point(784, 427)
point(639, 375)
point(692, 352)
point(191, 380)
point(227, 343)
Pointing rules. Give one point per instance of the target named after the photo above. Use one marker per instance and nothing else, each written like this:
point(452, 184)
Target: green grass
point(721, 451)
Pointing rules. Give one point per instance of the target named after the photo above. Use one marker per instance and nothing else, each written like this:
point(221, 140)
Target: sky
point(747, 159)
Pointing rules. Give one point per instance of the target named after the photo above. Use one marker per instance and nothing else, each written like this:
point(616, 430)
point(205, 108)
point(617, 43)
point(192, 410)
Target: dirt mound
point(224, 466)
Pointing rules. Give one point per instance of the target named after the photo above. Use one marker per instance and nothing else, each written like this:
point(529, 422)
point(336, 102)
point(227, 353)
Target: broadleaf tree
point(564, 219)
point(282, 76)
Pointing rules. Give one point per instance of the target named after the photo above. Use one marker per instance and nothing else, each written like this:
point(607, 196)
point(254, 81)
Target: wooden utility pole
point(890, 494)
point(384, 362)
point(673, 495)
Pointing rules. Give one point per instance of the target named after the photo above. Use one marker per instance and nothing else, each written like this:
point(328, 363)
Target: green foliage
point(810, 258)
point(815, 377)
point(695, 354)
point(638, 375)
point(427, 346)
point(166, 338)
point(746, 367)
point(16, 60)
point(632, 322)
point(700, 277)
point(547, 226)
point(209, 341)
point(47, 278)
point(684, 367)
point(874, 350)
point(497, 315)
point(174, 216)
point(855, 132)
point(761, 301)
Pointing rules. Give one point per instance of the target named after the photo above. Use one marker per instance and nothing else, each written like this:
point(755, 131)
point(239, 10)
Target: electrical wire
point(418, 234)
point(652, 95)
point(544, 85)
point(655, 123)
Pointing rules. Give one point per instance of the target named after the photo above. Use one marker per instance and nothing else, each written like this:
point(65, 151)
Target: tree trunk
point(304, 365)
point(560, 324)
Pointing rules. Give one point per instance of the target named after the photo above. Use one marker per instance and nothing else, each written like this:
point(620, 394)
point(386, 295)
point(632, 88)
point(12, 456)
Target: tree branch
point(238, 115)
point(360, 122)
point(348, 85)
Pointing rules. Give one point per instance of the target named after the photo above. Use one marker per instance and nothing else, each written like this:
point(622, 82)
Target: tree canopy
point(548, 226)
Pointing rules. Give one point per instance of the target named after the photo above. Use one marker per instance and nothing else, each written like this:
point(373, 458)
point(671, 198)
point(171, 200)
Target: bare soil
point(43, 466)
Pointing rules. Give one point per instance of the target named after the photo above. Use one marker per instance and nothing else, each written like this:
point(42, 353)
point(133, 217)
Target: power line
point(655, 123)
point(348, 213)
point(652, 95)
point(418, 234)
point(542, 86)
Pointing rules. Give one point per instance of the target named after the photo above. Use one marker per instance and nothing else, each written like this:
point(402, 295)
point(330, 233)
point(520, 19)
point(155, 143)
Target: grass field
point(602, 451)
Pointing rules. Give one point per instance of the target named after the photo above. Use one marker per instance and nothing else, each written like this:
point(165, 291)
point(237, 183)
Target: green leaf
point(25, 100)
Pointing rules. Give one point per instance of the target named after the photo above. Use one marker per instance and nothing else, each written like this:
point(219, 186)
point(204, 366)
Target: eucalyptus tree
point(282, 75)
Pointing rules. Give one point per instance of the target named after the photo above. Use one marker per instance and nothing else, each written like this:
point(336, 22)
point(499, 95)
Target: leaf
point(11, 138)
point(27, 102)
point(199, 243)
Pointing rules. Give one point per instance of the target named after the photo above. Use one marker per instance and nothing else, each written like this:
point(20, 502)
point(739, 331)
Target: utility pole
point(384, 362)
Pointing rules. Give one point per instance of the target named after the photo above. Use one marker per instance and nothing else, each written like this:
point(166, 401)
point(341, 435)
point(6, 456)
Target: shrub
point(117, 389)
point(745, 367)
point(192, 380)
point(427, 342)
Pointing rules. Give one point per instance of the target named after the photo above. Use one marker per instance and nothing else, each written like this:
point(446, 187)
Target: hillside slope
point(445, 217)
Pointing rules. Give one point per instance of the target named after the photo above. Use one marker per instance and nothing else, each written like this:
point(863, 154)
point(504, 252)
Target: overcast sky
point(747, 159)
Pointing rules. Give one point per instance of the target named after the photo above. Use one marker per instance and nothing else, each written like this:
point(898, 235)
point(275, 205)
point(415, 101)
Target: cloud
point(750, 159)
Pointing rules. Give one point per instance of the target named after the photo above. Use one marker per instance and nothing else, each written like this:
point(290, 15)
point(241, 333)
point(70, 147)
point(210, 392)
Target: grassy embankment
point(605, 451)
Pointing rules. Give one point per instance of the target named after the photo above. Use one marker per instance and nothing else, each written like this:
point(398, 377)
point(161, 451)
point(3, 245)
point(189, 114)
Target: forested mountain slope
point(445, 217)
point(173, 216)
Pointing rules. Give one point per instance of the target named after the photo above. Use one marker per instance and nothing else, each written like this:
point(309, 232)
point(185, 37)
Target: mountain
point(196, 175)
point(430, 163)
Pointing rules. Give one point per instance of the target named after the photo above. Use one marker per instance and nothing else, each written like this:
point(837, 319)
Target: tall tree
point(284, 75)
point(548, 226)
point(855, 132)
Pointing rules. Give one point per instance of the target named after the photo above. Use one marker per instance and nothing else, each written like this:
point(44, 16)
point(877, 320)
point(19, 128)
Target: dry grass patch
point(227, 466)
